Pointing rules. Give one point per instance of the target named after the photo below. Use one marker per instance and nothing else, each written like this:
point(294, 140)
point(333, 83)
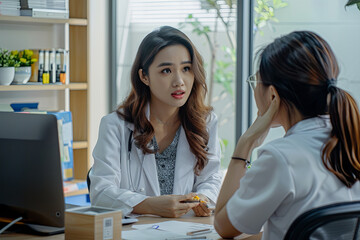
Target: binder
point(66, 148)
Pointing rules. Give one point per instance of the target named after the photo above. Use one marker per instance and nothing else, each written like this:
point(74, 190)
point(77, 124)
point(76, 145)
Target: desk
point(189, 217)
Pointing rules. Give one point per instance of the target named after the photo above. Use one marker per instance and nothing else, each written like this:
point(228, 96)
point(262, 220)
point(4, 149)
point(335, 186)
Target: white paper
point(178, 227)
point(172, 230)
point(150, 234)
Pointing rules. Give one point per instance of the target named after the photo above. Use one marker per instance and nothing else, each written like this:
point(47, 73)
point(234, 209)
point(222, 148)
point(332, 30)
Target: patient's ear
point(143, 77)
point(274, 93)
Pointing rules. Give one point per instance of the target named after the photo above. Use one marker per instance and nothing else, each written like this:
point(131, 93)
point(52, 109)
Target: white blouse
point(287, 179)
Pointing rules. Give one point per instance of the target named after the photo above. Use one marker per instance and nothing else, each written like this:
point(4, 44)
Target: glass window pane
point(338, 25)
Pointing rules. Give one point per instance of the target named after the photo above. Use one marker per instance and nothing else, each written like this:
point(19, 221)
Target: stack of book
point(75, 187)
point(10, 7)
point(45, 8)
point(51, 66)
point(49, 4)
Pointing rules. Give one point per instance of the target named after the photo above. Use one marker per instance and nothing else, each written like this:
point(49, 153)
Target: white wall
point(99, 62)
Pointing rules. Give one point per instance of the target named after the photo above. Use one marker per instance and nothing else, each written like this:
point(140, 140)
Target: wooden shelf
point(80, 144)
point(70, 34)
point(47, 87)
point(77, 86)
point(78, 21)
point(18, 19)
point(22, 19)
point(32, 87)
point(75, 193)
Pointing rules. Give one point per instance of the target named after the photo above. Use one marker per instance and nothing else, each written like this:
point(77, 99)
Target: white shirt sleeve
point(261, 191)
point(106, 172)
point(209, 181)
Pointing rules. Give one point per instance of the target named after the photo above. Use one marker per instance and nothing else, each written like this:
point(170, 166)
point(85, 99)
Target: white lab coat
point(120, 183)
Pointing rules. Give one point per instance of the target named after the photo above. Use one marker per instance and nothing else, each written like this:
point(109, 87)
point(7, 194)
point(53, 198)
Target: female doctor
point(160, 148)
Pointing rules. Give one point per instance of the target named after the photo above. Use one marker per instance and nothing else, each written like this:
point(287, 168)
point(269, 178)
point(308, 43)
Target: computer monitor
point(30, 171)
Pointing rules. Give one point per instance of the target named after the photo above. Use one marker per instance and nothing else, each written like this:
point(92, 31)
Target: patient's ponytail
point(303, 68)
point(341, 154)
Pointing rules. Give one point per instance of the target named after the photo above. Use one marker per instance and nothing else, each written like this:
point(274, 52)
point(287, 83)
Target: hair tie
point(331, 84)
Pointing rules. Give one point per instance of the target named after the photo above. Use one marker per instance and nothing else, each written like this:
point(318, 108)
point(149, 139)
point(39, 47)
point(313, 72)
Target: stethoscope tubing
point(128, 166)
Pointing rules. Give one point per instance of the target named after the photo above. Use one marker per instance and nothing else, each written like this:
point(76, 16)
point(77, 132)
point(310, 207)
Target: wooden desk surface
point(189, 217)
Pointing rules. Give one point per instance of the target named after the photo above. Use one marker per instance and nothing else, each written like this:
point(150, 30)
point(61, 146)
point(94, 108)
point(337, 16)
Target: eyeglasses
point(252, 81)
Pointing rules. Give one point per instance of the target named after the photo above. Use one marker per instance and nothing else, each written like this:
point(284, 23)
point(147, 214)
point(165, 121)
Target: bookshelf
point(71, 21)
point(70, 34)
point(71, 86)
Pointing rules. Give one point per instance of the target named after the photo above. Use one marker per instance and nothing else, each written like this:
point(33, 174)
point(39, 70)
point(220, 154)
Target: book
point(66, 143)
point(74, 185)
point(56, 62)
point(45, 13)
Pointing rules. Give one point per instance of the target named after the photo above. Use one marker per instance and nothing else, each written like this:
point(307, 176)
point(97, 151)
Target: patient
point(316, 163)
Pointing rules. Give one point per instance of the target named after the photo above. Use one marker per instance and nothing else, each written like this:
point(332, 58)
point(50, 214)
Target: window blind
point(174, 11)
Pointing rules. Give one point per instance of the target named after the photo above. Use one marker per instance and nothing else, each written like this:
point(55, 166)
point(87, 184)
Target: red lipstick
point(178, 94)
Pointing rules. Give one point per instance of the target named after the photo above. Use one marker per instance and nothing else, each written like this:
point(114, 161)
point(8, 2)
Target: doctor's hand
point(202, 209)
point(166, 205)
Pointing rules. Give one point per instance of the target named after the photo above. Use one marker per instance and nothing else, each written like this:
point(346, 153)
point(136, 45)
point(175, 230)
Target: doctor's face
point(170, 76)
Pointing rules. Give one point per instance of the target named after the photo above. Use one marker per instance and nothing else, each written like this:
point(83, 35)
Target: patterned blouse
point(165, 163)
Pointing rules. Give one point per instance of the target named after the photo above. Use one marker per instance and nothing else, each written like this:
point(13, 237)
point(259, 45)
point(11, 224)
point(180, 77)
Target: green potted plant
point(8, 62)
point(353, 2)
point(23, 72)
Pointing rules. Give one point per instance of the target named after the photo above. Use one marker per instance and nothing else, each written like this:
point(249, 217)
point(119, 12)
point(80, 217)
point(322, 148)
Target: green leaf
point(279, 4)
point(229, 3)
point(358, 5)
point(208, 4)
point(224, 142)
point(351, 2)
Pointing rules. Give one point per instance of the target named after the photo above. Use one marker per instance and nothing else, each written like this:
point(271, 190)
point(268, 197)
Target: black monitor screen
point(30, 169)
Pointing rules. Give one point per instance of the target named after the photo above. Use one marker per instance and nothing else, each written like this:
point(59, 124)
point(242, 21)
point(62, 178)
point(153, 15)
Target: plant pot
point(22, 75)
point(6, 75)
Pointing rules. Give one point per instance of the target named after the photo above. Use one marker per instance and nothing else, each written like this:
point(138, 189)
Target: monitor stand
point(35, 229)
point(32, 229)
point(45, 230)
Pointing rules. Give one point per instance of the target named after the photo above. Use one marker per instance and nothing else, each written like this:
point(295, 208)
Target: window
point(136, 18)
point(338, 25)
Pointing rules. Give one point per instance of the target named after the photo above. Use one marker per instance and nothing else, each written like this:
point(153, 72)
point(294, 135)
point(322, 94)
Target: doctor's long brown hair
point(193, 114)
point(303, 69)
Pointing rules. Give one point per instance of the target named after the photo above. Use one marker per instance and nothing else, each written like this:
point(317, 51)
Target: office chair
point(336, 221)
point(88, 181)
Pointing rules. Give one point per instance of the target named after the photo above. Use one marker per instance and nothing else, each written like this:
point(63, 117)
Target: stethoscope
point(141, 190)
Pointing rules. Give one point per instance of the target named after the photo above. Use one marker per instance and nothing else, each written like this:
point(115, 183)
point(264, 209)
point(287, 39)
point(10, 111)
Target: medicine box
point(93, 223)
